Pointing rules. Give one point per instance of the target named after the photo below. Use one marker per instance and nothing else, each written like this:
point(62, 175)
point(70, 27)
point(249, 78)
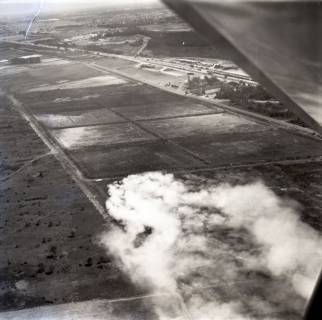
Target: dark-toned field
point(63, 142)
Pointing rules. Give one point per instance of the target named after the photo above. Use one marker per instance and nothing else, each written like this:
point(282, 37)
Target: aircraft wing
point(277, 42)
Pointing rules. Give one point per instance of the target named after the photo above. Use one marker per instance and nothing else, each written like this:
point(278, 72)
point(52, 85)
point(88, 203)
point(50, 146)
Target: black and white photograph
point(160, 159)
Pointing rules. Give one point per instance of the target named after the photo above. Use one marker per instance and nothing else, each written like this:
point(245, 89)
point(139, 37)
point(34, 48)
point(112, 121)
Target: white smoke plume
point(34, 18)
point(231, 252)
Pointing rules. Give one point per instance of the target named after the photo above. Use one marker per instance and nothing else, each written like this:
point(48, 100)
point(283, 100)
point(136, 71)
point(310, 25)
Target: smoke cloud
point(226, 252)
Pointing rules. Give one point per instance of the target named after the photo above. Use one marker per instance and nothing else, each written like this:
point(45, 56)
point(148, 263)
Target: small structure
point(35, 58)
point(212, 91)
point(199, 85)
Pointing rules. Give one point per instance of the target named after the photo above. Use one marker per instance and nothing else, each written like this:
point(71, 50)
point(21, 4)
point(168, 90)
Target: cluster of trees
point(254, 98)
point(141, 18)
point(240, 92)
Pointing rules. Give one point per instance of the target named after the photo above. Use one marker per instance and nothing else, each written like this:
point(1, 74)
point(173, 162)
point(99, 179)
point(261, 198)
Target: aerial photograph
point(160, 160)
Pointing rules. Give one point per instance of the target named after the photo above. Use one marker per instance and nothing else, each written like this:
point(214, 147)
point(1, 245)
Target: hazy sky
point(29, 6)
point(75, 2)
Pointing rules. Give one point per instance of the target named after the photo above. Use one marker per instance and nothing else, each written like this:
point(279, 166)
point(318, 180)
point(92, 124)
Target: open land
point(78, 121)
